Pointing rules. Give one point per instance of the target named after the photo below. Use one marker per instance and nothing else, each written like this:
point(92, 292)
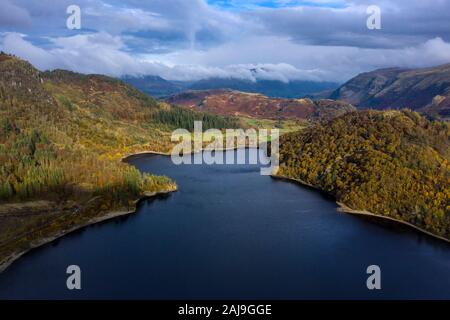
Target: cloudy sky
point(323, 40)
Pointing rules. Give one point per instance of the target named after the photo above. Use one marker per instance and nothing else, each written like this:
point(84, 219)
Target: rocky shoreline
point(168, 154)
point(344, 208)
point(7, 261)
point(341, 206)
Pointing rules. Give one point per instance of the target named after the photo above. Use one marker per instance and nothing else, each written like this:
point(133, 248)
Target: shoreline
point(341, 207)
point(168, 154)
point(345, 209)
point(9, 260)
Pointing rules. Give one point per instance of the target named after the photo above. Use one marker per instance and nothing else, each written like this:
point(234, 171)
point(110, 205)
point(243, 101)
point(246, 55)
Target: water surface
point(231, 233)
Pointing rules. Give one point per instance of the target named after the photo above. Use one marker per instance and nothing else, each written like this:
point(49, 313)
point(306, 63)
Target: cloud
point(179, 23)
point(312, 62)
point(12, 16)
point(104, 54)
point(16, 44)
point(107, 54)
point(404, 23)
point(253, 39)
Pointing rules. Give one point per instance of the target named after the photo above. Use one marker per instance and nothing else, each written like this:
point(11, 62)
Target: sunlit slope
point(392, 163)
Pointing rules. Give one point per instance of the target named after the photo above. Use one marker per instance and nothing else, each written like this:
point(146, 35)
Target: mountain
point(439, 107)
point(426, 89)
point(154, 85)
point(395, 164)
point(159, 87)
point(270, 88)
point(235, 103)
point(62, 137)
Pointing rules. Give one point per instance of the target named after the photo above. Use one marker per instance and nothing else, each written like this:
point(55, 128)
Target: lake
point(230, 233)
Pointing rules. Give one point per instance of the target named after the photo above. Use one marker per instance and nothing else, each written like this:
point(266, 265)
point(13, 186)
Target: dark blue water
point(231, 233)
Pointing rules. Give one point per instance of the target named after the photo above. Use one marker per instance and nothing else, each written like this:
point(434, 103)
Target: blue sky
point(245, 5)
point(319, 40)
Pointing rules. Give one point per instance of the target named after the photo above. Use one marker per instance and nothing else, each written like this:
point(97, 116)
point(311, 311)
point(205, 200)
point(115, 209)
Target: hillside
point(391, 163)
point(425, 89)
point(62, 138)
point(235, 103)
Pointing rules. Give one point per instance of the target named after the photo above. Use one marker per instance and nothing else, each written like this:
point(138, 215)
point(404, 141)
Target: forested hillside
point(62, 136)
point(391, 163)
point(61, 132)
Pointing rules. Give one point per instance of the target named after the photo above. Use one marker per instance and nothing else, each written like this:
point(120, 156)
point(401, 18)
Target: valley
point(198, 153)
point(64, 135)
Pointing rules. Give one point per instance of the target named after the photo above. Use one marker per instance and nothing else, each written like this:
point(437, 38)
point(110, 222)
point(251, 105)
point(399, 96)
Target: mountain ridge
point(161, 88)
point(423, 89)
point(228, 102)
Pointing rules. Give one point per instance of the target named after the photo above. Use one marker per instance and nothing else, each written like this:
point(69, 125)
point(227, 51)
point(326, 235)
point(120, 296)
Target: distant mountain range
point(160, 88)
point(236, 103)
point(155, 86)
point(426, 90)
point(270, 88)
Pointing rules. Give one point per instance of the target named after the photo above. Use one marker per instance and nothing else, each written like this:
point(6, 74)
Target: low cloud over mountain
point(195, 39)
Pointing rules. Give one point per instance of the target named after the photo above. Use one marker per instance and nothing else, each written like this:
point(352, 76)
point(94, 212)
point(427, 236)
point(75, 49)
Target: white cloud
point(16, 44)
point(106, 54)
point(188, 40)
